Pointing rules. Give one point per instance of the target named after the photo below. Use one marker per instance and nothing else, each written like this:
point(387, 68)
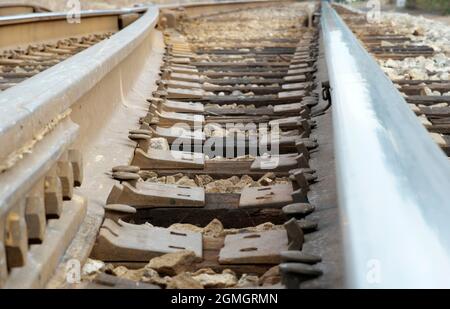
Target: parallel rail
point(393, 180)
point(49, 16)
point(41, 117)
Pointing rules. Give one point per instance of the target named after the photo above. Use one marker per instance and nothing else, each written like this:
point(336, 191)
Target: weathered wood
point(168, 159)
point(168, 119)
point(131, 242)
point(182, 107)
point(440, 128)
point(229, 64)
point(417, 89)
point(254, 248)
point(294, 122)
point(256, 100)
point(221, 206)
point(292, 108)
point(283, 162)
point(211, 249)
point(427, 100)
point(182, 93)
point(178, 134)
point(435, 112)
point(275, 196)
point(151, 195)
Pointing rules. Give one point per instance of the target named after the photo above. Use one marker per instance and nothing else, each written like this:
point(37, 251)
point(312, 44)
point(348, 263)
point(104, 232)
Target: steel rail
point(393, 180)
point(84, 69)
point(29, 107)
point(36, 129)
point(39, 17)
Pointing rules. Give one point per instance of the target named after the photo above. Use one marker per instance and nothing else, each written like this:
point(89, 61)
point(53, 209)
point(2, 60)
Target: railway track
point(25, 52)
point(427, 94)
point(218, 159)
point(390, 173)
point(200, 160)
point(224, 109)
point(20, 64)
point(194, 147)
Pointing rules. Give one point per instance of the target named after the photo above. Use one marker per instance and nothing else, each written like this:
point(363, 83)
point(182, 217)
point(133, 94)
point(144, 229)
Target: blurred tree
point(441, 6)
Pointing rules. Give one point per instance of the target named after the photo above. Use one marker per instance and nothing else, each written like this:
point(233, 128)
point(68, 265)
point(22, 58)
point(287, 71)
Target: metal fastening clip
point(295, 235)
point(292, 274)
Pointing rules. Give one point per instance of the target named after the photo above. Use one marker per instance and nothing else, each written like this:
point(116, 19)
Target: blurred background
point(432, 6)
point(442, 6)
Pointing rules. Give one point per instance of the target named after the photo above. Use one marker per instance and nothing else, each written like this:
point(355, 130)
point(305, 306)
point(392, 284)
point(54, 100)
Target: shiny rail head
point(25, 110)
point(42, 164)
point(393, 179)
point(47, 16)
